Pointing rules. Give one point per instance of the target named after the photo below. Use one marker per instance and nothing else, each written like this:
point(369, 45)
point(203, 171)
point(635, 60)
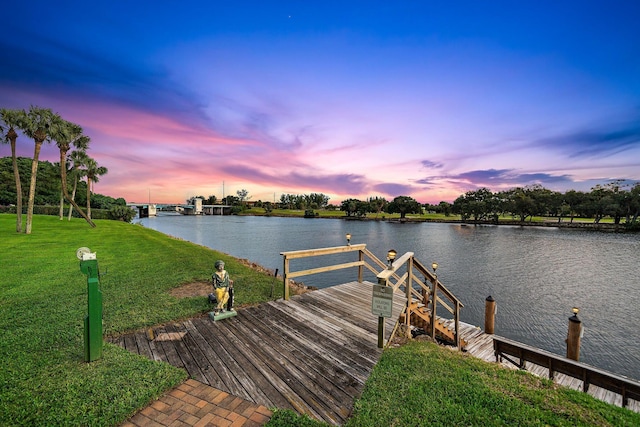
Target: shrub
point(121, 213)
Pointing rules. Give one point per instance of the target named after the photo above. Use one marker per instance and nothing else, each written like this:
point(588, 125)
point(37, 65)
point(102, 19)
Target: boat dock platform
point(312, 353)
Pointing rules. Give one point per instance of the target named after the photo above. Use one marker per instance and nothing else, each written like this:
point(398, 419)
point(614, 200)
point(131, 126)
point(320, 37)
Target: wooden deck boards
point(312, 354)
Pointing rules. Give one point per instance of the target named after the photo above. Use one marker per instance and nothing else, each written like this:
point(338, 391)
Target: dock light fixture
point(391, 255)
point(348, 239)
point(434, 265)
point(575, 311)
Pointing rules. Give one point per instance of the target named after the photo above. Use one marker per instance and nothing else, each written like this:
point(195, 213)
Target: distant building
point(144, 210)
point(195, 208)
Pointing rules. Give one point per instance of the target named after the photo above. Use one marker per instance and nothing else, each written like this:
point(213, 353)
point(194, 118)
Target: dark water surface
point(535, 274)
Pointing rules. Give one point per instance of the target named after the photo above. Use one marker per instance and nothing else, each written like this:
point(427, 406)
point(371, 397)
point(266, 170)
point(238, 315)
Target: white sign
point(382, 301)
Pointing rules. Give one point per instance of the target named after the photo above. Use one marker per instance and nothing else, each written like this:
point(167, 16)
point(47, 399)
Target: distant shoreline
point(580, 225)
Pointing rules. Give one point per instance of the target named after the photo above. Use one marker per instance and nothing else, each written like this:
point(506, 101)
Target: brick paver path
point(193, 403)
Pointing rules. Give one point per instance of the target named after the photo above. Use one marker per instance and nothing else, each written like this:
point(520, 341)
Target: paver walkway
point(193, 403)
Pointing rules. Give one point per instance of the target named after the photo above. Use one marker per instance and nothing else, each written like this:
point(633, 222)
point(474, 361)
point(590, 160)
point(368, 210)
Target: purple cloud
point(393, 190)
point(604, 141)
point(431, 165)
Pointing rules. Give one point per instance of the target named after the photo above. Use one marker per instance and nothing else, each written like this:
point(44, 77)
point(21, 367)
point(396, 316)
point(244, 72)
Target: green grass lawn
point(423, 384)
point(43, 300)
point(45, 381)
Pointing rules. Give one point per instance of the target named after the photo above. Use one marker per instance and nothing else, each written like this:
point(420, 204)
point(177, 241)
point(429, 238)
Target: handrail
point(323, 251)
point(305, 253)
point(429, 296)
point(626, 387)
point(387, 274)
point(432, 279)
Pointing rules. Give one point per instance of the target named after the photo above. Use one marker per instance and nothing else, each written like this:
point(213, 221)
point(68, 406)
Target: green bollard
point(93, 320)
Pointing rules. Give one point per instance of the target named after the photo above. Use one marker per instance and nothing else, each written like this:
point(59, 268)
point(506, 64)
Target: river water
point(536, 274)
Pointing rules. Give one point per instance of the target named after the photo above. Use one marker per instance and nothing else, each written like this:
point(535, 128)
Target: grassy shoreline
point(45, 381)
point(606, 224)
point(44, 378)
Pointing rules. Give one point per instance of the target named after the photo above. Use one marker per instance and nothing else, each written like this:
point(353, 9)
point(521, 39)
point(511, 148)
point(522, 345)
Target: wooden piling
point(489, 315)
point(573, 338)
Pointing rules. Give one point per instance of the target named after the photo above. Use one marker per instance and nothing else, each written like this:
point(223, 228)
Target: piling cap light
point(348, 238)
point(575, 311)
point(434, 265)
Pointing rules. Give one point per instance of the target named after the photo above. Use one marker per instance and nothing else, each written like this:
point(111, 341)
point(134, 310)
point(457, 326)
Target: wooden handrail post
point(434, 303)
point(457, 324)
point(382, 282)
point(360, 268)
point(408, 285)
point(285, 279)
point(489, 315)
point(573, 337)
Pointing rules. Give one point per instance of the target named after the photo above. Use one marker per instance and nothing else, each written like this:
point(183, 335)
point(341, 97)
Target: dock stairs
point(421, 322)
point(426, 296)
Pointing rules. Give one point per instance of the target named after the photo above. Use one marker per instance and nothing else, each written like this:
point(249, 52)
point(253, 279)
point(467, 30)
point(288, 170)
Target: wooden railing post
point(361, 267)
point(434, 303)
point(573, 337)
point(489, 315)
point(285, 278)
point(407, 320)
point(382, 282)
point(457, 324)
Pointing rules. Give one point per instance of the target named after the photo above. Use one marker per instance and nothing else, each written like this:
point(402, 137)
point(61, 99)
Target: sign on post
point(382, 302)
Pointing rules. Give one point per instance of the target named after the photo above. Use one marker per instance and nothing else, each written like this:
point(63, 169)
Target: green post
point(93, 320)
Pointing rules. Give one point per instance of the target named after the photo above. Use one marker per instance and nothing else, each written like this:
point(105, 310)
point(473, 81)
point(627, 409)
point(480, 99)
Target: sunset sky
point(348, 98)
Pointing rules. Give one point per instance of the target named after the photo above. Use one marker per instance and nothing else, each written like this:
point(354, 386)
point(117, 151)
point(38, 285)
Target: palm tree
point(77, 158)
point(65, 134)
point(61, 210)
point(34, 124)
point(93, 172)
point(11, 120)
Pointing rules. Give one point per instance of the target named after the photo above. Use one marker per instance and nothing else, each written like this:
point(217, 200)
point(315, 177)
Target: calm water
point(536, 275)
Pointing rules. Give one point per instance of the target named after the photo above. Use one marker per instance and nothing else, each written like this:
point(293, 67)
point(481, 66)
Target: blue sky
point(350, 99)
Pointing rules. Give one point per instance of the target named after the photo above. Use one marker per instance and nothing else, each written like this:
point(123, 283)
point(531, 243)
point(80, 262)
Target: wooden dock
point(312, 354)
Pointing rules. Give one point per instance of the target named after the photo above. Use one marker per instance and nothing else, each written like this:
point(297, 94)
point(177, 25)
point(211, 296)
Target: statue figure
point(223, 288)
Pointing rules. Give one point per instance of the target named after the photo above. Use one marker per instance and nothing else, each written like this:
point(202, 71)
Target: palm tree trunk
point(16, 173)
point(88, 197)
point(32, 187)
point(61, 211)
point(73, 197)
point(65, 192)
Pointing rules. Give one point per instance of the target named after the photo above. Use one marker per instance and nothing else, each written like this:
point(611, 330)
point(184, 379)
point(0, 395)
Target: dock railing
point(365, 258)
point(422, 299)
point(626, 387)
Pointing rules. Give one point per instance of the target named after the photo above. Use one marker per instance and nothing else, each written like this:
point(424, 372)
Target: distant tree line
point(303, 201)
point(402, 204)
point(612, 200)
point(615, 200)
point(48, 189)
